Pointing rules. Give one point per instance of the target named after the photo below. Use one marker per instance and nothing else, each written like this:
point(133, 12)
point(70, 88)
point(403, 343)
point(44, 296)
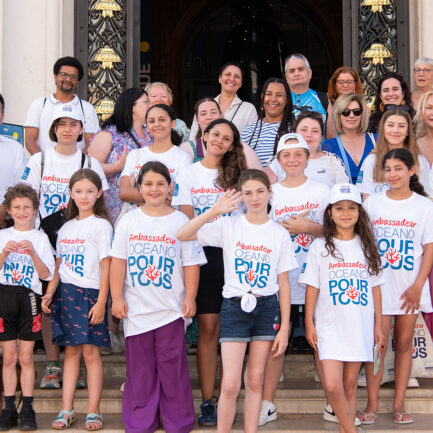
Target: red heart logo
point(276, 326)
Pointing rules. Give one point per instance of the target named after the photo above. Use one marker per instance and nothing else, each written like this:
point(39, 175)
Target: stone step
point(286, 423)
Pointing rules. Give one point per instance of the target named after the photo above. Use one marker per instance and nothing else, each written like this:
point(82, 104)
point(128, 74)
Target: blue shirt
point(353, 169)
point(308, 101)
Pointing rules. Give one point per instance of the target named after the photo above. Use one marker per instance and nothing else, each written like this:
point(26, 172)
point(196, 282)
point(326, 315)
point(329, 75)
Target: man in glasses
point(423, 75)
point(68, 72)
point(298, 76)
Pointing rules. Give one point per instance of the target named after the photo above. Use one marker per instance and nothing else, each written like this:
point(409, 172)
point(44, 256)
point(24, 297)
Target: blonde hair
point(421, 129)
point(164, 86)
point(382, 146)
point(342, 102)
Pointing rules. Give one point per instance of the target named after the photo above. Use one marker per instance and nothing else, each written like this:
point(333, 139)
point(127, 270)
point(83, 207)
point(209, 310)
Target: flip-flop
point(398, 418)
point(363, 415)
point(66, 423)
point(94, 418)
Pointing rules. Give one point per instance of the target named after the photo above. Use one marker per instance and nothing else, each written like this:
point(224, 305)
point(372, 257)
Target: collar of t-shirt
point(236, 101)
point(54, 101)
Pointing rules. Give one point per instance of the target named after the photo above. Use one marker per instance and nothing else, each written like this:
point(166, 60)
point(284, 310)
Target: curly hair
point(332, 90)
point(363, 229)
point(379, 108)
point(233, 163)
point(21, 190)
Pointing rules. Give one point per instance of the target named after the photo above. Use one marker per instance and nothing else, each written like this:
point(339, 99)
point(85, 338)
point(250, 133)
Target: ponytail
point(416, 186)
point(176, 138)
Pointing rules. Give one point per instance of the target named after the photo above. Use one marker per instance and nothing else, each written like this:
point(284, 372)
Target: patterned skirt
point(70, 317)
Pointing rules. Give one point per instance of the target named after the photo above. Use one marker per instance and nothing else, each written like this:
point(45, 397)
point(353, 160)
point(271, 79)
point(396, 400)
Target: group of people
point(313, 209)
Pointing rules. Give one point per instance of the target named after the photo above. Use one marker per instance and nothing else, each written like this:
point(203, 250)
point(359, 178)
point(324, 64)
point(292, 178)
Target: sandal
point(398, 418)
point(95, 419)
point(367, 418)
point(66, 422)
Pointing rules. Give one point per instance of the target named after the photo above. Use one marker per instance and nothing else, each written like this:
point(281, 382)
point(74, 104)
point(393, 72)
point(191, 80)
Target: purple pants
point(157, 382)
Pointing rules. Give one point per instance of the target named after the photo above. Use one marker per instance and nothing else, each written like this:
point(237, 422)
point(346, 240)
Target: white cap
point(291, 136)
point(68, 110)
point(344, 191)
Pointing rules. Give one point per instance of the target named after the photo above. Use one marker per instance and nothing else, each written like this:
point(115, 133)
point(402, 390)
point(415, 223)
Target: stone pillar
point(34, 34)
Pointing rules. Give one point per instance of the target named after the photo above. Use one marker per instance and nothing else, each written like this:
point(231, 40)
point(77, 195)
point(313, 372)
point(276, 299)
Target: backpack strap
point(344, 156)
point(323, 98)
point(43, 104)
point(82, 108)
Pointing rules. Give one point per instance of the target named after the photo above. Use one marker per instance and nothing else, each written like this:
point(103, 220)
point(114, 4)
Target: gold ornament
point(105, 108)
point(376, 5)
point(107, 7)
point(377, 52)
point(107, 56)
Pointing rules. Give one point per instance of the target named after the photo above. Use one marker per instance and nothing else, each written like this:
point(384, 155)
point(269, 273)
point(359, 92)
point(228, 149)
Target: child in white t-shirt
point(402, 223)
point(160, 123)
point(343, 303)
point(258, 256)
point(25, 257)
point(79, 311)
point(153, 280)
point(298, 204)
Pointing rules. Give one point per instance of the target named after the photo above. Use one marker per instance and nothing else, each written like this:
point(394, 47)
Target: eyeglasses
point(423, 70)
point(73, 77)
point(356, 112)
point(345, 82)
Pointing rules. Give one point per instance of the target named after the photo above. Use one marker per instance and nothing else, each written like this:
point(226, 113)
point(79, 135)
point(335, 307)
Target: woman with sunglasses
point(353, 144)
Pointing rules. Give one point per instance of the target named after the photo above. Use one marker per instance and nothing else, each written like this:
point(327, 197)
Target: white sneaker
point(268, 412)
point(116, 344)
point(413, 382)
point(316, 377)
point(329, 415)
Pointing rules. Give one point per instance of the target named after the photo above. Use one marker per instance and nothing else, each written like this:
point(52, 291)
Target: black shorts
point(209, 296)
point(20, 314)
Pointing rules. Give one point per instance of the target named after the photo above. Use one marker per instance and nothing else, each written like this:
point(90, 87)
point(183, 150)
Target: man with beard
point(68, 71)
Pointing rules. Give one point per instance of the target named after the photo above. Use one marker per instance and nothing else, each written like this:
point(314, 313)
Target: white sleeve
point(365, 181)
point(212, 234)
point(287, 260)
point(104, 237)
point(192, 254)
point(128, 168)
point(427, 236)
point(182, 190)
point(119, 247)
point(96, 166)
point(194, 129)
point(34, 114)
point(20, 164)
point(311, 275)
point(32, 172)
point(424, 175)
point(341, 175)
point(252, 114)
point(324, 201)
point(46, 255)
point(91, 123)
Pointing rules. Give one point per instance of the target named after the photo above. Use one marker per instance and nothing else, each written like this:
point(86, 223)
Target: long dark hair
point(288, 116)
point(122, 114)
point(176, 139)
point(197, 106)
point(233, 163)
point(363, 229)
point(379, 108)
point(100, 208)
point(406, 158)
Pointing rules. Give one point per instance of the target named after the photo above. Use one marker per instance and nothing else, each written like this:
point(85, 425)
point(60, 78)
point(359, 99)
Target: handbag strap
point(134, 139)
point(344, 156)
point(236, 112)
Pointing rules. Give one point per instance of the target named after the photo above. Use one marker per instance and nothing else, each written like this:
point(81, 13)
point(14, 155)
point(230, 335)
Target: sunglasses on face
point(356, 112)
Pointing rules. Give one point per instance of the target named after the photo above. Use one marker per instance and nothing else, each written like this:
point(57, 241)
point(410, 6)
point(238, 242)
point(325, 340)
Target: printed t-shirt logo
point(19, 269)
point(72, 253)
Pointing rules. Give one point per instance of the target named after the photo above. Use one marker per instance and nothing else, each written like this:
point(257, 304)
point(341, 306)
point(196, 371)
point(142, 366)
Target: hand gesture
point(47, 299)
point(27, 246)
point(97, 313)
point(296, 224)
point(10, 247)
point(227, 202)
point(411, 299)
point(188, 308)
point(119, 308)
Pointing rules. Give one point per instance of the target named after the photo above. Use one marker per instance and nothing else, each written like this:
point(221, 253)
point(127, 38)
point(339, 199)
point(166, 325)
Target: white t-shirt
point(367, 185)
point(344, 313)
point(82, 244)
point(154, 285)
point(174, 159)
point(241, 113)
point(312, 196)
point(328, 169)
point(12, 164)
point(40, 115)
point(58, 169)
point(254, 254)
point(401, 229)
point(18, 269)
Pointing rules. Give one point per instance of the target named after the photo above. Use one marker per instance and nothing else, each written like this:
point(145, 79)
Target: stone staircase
point(300, 401)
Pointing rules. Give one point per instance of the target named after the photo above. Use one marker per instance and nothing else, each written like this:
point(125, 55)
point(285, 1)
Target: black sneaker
point(28, 419)
point(208, 416)
point(8, 418)
point(300, 345)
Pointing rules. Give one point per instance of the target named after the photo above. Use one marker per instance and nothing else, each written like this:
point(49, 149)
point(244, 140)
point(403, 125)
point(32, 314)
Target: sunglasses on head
point(356, 112)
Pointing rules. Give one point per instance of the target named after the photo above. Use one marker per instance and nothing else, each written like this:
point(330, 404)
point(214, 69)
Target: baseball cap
point(68, 110)
point(344, 191)
point(282, 145)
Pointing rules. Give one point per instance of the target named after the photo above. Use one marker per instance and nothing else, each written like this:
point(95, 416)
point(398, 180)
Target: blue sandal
point(66, 423)
point(96, 419)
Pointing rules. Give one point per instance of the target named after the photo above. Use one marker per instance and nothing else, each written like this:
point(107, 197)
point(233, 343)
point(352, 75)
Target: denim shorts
point(262, 323)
